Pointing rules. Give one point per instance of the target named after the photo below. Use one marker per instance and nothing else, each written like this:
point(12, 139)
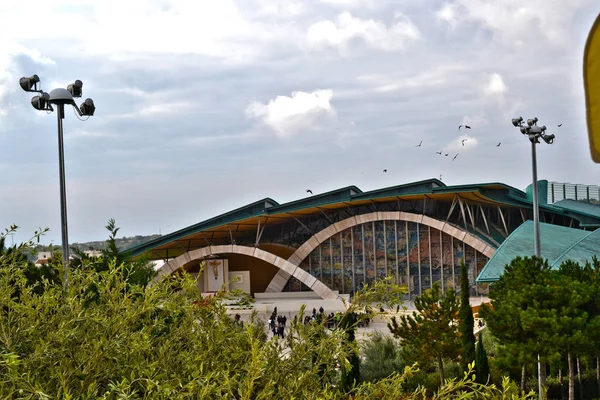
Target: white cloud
point(158, 110)
point(346, 29)
point(220, 29)
point(495, 85)
point(288, 116)
point(354, 3)
point(448, 13)
point(516, 22)
point(433, 77)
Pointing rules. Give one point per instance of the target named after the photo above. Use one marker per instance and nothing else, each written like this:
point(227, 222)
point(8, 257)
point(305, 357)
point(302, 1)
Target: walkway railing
point(570, 191)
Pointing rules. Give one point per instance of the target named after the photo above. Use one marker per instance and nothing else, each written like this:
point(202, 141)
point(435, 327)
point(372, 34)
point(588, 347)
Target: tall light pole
point(534, 133)
point(43, 102)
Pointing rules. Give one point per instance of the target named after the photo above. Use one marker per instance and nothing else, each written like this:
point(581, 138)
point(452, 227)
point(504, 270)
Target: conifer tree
point(430, 334)
point(466, 319)
point(482, 367)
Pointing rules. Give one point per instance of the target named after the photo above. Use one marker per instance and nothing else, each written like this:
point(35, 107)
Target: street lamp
point(534, 133)
point(43, 102)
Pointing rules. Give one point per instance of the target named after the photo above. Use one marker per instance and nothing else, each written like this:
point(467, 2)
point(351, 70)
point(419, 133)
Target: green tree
point(577, 321)
point(520, 301)
point(165, 341)
point(482, 368)
point(430, 334)
point(350, 373)
point(466, 320)
point(138, 272)
point(380, 357)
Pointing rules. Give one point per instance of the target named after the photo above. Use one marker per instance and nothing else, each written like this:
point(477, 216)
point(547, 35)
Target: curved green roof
point(558, 243)
point(583, 250)
point(493, 192)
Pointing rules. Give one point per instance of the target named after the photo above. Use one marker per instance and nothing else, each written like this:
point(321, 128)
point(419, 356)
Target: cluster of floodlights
point(60, 96)
point(533, 131)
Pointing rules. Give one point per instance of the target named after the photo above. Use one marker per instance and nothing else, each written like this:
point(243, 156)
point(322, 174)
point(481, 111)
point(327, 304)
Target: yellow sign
point(591, 82)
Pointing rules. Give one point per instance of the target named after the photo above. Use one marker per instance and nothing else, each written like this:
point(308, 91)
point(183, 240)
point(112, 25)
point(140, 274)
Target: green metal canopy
point(558, 244)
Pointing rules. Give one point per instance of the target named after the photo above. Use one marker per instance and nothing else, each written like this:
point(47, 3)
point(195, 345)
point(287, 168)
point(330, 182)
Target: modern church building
point(336, 242)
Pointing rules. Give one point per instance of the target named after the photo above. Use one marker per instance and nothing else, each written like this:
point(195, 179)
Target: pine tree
point(430, 334)
point(350, 376)
point(482, 368)
point(466, 319)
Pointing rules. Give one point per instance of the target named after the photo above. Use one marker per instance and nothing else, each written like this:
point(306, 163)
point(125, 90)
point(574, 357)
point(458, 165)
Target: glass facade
point(413, 254)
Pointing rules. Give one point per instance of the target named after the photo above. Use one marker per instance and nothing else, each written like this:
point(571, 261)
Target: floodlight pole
point(536, 240)
point(43, 102)
point(536, 204)
point(534, 133)
point(60, 114)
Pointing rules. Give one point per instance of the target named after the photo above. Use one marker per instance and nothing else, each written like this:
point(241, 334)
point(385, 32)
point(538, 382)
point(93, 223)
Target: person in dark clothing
point(321, 310)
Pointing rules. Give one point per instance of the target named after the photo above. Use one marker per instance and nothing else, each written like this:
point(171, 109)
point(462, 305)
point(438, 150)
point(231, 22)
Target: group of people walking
point(277, 324)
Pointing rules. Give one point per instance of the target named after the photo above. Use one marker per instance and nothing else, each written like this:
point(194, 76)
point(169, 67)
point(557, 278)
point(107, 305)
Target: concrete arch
point(279, 280)
point(286, 268)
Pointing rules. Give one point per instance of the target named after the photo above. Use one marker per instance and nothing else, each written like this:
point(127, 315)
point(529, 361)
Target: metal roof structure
point(558, 244)
point(268, 213)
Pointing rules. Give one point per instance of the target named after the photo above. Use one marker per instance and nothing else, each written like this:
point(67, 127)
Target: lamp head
point(537, 130)
point(87, 108)
point(524, 130)
point(42, 102)
point(533, 138)
point(549, 139)
point(517, 121)
point(29, 84)
point(532, 121)
point(75, 88)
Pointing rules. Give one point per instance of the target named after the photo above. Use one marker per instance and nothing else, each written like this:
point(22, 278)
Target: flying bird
point(438, 152)
point(385, 170)
point(559, 125)
point(309, 191)
point(446, 155)
point(464, 126)
point(463, 141)
point(498, 145)
point(419, 145)
point(455, 157)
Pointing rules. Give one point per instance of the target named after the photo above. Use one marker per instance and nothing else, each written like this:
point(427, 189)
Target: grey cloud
point(170, 170)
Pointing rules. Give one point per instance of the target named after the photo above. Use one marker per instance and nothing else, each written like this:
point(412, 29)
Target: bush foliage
point(112, 336)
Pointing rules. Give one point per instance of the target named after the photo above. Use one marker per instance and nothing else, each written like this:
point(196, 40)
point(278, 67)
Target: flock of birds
point(441, 152)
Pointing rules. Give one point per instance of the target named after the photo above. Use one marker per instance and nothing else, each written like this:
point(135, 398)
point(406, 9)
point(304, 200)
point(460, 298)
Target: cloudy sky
point(204, 106)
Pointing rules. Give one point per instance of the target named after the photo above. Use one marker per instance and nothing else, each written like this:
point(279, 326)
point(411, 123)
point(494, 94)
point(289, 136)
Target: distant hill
point(122, 243)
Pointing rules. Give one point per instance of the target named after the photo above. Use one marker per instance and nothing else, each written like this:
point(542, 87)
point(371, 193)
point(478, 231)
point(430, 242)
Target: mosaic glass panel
point(436, 256)
point(347, 260)
point(459, 254)
point(336, 248)
point(359, 266)
point(380, 249)
point(425, 258)
point(482, 288)
point(447, 261)
point(413, 260)
point(390, 249)
point(369, 253)
point(471, 267)
point(339, 261)
point(326, 261)
point(315, 263)
point(402, 253)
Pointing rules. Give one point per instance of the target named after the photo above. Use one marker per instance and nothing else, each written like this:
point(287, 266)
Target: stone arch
point(286, 268)
point(303, 251)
